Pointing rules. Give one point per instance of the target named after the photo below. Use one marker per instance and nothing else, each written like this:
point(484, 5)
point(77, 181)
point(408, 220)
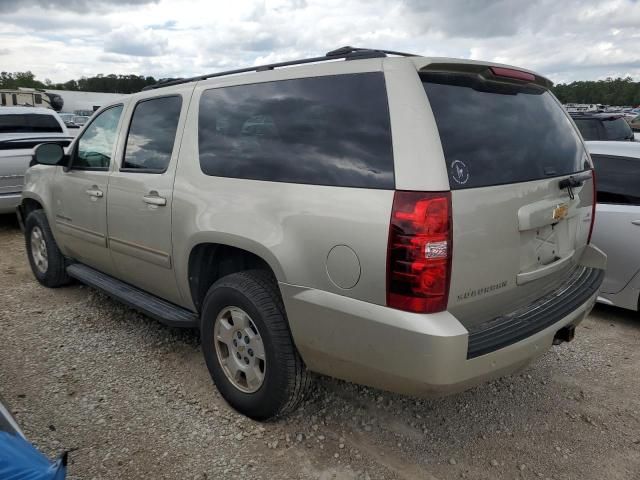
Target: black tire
point(55, 274)
point(286, 379)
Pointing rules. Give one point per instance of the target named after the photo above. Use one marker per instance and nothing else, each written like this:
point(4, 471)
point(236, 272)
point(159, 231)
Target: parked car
point(617, 227)
point(21, 129)
point(80, 120)
point(603, 126)
point(19, 459)
point(67, 118)
point(380, 219)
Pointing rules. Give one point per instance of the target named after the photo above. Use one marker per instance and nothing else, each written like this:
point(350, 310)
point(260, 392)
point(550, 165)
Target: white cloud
point(137, 42)
point(568, 40)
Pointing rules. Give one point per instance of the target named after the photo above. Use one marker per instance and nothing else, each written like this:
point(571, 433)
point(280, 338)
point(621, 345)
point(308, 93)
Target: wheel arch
point(209, 261)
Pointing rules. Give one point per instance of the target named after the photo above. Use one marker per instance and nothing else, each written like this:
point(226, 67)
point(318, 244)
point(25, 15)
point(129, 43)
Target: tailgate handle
point(526, 277)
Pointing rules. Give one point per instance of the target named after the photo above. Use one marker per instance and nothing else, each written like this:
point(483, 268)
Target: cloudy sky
point(563, 39)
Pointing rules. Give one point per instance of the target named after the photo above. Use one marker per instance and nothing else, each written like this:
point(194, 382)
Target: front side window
point(95, 147)
point(331, 130)
point(152, 134)
point(617, 179)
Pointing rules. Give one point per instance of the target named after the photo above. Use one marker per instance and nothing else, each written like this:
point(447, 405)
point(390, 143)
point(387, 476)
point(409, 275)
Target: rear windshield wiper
point(574, 181)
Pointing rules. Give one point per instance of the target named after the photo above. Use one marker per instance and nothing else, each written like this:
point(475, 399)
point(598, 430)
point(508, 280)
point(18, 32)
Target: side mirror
point(48, 154)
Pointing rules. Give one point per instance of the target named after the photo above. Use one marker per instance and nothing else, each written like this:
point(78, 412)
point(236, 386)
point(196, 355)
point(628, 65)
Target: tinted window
point(38, 98)
point(495, 133)
point(29, 123)
point(95, 147)
point(325, 131)
point(617, 179)
point(589, 128)
point(617, 129)
point(152, 134)
point(3, 98)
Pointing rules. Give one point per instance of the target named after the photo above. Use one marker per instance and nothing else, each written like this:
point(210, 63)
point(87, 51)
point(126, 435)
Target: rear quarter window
point(331, 130)
point(496, 133)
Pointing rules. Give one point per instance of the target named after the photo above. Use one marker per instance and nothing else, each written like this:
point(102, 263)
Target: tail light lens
point(419, 252)
point(593, 207)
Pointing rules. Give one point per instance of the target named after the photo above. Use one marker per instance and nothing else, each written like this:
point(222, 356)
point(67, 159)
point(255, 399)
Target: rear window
point(589, 128)
point(29, 123)
point(617, 129)
point(331, 130)
point(495, 133)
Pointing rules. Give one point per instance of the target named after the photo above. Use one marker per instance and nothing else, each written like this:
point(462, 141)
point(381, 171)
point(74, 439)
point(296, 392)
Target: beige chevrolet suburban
point(414, 224)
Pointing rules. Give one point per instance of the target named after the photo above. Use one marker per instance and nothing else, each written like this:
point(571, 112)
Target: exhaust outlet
point(565, 334)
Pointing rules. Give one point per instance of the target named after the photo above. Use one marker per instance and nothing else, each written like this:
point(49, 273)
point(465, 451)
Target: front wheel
point(46, 260)
point(248, 346)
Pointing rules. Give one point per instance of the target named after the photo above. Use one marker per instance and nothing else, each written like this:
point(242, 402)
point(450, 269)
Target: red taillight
point(593, 207)
point(419, 252)
point(511, 73)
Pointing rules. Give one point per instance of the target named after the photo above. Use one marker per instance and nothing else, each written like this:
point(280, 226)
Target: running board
point(152, 306)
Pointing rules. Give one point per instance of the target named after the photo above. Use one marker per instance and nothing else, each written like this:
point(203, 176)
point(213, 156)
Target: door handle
point(95, 192)
point(636, 222)
point(152, 198)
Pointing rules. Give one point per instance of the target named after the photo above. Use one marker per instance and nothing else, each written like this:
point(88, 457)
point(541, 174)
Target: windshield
point(29, 123)
point(494, 133)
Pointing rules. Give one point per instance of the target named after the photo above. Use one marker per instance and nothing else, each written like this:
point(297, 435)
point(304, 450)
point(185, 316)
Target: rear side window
point(495, 133)
point(617, 179)
point(29, 123)
point(617, 129)
point(331, 130)
point(152, 134)
point(589, 128)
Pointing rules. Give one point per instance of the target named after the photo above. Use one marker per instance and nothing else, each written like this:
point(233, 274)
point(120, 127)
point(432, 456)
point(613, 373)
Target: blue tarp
point(19, 460)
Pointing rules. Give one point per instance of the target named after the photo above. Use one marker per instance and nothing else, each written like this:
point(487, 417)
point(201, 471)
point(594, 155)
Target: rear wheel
point(248, 346)
point(46, 260)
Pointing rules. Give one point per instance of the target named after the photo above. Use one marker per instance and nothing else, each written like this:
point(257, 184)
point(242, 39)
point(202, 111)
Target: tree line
point(612, 91)
point(100, 83)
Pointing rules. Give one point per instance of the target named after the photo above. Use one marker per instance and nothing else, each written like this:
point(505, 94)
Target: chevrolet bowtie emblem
point(560, 211)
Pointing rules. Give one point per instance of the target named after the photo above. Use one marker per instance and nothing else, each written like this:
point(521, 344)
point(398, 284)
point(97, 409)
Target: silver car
point(374, 216)
point(617, 227)
point(21, 129)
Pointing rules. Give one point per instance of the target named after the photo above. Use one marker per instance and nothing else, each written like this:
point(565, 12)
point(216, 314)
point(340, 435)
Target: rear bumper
point(9, 202)
point(404, 352)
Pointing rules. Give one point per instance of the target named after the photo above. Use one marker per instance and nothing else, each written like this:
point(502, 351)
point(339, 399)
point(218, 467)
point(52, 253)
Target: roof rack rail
point(347, 53)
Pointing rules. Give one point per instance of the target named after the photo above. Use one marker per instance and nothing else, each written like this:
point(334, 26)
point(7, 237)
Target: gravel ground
point(131, 398)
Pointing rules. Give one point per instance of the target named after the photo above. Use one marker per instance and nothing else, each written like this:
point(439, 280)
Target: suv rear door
point(140, 195)
point(507, 144)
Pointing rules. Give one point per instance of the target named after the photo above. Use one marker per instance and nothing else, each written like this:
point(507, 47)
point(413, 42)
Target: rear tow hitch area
point(565, 334)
